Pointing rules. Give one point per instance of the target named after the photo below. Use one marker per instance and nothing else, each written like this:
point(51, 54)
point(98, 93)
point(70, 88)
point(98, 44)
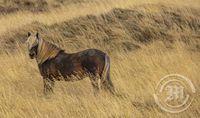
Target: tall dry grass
point(135, 73)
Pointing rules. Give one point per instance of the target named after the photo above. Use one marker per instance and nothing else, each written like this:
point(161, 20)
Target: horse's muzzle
point(32, 55)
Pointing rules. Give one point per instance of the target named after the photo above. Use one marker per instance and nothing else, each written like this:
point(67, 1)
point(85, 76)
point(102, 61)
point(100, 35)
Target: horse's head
point(33, 42)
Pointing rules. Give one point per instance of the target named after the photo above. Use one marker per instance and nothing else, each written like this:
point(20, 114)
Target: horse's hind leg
point(48, 86)
point(107, 84)
point(95, 80)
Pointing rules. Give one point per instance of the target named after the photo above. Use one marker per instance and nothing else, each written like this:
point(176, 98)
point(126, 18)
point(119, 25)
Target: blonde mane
point(46, 51)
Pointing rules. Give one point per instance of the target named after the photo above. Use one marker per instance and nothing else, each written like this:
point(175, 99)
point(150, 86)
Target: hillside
point(125, 28)
point(12, 6)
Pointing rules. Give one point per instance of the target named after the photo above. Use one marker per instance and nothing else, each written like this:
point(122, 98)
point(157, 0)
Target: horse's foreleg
point(48, 86)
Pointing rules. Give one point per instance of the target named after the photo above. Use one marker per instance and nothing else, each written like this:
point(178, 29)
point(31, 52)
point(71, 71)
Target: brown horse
point(54, 64)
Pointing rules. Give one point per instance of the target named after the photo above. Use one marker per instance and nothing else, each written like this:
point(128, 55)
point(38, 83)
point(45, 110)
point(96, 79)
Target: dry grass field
point(146, 40)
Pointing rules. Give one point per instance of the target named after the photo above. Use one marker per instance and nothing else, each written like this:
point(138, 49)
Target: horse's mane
point(46, 50)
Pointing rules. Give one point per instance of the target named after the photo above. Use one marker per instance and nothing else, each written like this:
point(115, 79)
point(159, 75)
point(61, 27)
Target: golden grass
point(135, 73)
point(19, 19)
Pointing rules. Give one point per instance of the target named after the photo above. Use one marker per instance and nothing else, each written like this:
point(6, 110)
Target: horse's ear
point(29, 34)
point(37, 35)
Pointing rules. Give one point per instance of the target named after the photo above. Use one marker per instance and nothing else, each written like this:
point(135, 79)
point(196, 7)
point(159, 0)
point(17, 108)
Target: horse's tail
point(106, 67)
point(105, 78)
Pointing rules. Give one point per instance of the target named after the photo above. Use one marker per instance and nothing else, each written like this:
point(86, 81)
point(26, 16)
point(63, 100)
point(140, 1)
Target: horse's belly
point(74, 76)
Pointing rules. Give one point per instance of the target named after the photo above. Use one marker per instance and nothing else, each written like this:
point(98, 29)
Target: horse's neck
point(46, 50)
